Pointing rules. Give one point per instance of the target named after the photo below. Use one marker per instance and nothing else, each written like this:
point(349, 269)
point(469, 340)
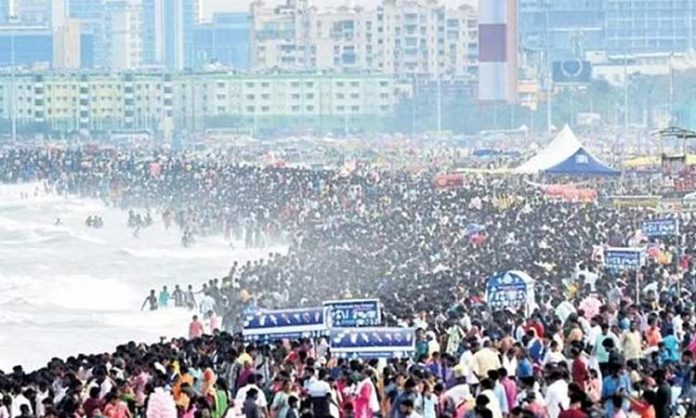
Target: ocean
point(68, 289)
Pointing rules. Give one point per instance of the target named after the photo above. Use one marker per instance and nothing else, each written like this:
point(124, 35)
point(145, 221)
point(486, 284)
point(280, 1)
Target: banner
point(635, 201)
point(285, 323)
point(512, 289)
point(624, 258)
point(353, 313)
point(372, 342)
point(661, 227)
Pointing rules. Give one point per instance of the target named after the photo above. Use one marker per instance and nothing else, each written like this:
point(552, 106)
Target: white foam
point(66, 289)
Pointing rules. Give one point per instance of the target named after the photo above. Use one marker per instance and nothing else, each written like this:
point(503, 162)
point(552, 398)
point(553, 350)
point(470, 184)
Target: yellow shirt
point(485, 360)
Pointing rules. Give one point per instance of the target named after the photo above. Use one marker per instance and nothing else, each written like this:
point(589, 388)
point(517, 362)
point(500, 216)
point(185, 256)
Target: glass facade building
point(224, 41)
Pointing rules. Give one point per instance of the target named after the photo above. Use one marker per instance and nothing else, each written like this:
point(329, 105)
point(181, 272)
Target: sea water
point(67, 289)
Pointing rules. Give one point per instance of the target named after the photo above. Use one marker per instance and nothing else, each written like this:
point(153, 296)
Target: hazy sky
point(211, 6)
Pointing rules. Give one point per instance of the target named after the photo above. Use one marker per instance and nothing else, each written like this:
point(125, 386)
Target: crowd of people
point(426, 253)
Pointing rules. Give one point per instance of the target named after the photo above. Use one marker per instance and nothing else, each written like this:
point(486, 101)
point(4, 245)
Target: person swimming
point(164, 297)
point(152, 300)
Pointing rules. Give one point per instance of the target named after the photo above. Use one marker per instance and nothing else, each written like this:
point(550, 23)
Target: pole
point(439, 98)
point(671, 90)
point(625, 74)
point(549, 73)
point(413, 106)
point(13, 99)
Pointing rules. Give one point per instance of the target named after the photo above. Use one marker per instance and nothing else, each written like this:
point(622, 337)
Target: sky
point(211, 6)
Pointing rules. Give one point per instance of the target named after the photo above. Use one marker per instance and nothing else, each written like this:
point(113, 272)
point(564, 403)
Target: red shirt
point(579, 372)
point(572, 413)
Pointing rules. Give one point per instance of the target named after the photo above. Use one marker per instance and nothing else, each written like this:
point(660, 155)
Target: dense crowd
point(596, 342)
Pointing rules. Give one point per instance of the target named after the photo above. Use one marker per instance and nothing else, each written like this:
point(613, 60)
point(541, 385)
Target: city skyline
point(209, 7)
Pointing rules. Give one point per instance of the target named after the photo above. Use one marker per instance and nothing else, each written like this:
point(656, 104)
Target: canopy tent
point(566, 155)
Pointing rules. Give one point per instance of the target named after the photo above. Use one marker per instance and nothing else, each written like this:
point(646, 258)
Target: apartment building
point(404, 38)
point(123, 44)
point(162, 102)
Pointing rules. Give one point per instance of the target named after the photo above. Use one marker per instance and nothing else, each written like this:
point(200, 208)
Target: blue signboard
point(624, 258)
point(372, 342)
point(285, 323)
point(354, 313)
point(511, 289)
point(661, 227)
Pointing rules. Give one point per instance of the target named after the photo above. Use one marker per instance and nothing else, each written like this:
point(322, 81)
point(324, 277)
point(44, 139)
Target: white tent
point(563, 146)
point(565, 155)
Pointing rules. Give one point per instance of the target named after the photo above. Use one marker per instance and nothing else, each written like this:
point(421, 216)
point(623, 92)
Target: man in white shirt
point(466, 362)
point(261, 400)
point(17, 401)
point(493, 405)
point(556, 399)
point(460, 392)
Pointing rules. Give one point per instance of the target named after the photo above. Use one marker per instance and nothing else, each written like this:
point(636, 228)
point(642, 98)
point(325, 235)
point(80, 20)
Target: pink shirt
point(510, 391)
point(215, 323)
point(195, 330)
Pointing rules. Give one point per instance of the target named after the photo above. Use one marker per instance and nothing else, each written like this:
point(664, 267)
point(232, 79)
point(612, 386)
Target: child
point(429, 401)
point(617, 400)
point(250, 409)
point(293, 410)
point(644, 406)
point(594, 386)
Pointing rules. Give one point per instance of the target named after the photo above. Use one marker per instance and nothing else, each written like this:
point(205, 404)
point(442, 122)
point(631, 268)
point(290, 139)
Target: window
point(295, 97)
point(341, 108)
point(250, 109)
point(310, 108)
point(265, 109)
point(340, 96)
point(295, 109)
point(355, 96)
point(250, 97)
point(355, 108)
point(310, 96)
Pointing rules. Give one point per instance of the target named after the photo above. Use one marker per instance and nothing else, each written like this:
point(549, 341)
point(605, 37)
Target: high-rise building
point(650, 26)
point(168, 33)
point(565, 29)
point(33, 11)
point(223, 41)
point(5, 10)
point(26, 46)
point(123, 48)
point(90, 13)
point(153, 19)
point(59, 13)
point(66, 45)
point(406, 38)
